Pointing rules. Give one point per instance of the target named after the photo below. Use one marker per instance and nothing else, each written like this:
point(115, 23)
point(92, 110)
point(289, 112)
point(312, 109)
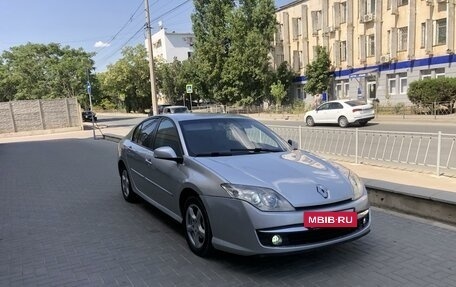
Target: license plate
point(330, 219)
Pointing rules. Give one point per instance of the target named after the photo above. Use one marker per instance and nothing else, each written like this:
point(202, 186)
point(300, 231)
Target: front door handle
point(148, 160)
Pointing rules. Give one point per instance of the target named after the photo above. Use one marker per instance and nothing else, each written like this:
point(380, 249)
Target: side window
point(146, 134)
point(136, 133)
point(336, 106)
point(167, 136)
point(324, 107)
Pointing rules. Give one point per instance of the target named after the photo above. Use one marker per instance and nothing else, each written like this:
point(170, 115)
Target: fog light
point(364, 221)
point(276, 240)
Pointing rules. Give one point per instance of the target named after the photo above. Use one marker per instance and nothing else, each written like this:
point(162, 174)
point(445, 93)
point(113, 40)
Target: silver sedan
point(238, 187)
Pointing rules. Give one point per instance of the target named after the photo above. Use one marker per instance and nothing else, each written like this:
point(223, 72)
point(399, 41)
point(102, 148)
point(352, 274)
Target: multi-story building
point(171, 45)
point(377, 47)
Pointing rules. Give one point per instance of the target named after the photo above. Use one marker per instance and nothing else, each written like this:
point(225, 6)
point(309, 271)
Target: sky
point(100, 26)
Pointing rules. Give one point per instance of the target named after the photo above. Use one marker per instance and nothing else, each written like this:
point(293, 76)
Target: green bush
point(432, 90)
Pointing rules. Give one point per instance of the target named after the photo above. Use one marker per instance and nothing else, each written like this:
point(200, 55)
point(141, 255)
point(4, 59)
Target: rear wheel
point(310, 121)
point(127, 193)
point(343, 122)
point(197, 227)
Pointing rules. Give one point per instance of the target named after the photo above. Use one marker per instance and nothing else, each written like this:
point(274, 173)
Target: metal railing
point(428, 152)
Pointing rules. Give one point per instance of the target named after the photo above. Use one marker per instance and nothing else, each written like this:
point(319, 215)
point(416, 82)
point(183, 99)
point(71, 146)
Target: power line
point(123, 45)
point(123, 27)
point(170, 10)
point(142, 27)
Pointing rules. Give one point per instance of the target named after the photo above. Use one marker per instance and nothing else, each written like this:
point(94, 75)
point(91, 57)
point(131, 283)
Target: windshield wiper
point(256, 150)
point(214, 154)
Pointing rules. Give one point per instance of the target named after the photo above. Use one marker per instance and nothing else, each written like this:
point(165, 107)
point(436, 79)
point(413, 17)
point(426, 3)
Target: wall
point(18, 116)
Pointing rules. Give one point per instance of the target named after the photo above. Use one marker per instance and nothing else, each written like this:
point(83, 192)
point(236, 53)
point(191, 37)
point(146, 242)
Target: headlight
point(264, 199)
point(355, 181)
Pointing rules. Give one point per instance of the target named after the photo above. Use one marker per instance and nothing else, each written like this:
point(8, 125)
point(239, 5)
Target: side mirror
point(167, 153)
point(294, 145)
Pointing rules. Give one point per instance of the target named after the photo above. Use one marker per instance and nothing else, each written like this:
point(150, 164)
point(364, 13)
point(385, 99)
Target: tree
point(211, 44)
point(128, 81)
point(39, 71)
point(318, 73)
point(278, 92)
point(246, 71)
point(233, 42)
point(172, 78)
point(285, 75)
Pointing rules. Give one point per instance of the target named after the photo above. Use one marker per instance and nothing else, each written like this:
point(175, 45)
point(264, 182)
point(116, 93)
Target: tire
point(197, 227)
point(310, 121)
point(125, 184)
point(343, 122)
point(362, 123)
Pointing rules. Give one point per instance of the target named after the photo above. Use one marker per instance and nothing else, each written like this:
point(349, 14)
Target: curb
point(413, 205)
point(430, 204)
point(41, 132)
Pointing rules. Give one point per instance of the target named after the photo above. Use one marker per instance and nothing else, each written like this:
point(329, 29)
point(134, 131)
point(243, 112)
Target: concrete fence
point(31, 115)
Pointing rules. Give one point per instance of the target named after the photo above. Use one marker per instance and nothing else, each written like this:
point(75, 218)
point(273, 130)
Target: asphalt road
point(63, 222)
point(377, 125)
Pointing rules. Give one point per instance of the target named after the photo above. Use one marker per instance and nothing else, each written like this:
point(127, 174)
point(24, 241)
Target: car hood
point(295, 175)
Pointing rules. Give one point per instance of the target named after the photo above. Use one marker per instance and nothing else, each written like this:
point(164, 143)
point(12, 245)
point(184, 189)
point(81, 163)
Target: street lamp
point(89, 91)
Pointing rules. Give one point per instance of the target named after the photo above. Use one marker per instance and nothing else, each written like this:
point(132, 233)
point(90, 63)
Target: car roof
point(175, 107)
point(180, 117)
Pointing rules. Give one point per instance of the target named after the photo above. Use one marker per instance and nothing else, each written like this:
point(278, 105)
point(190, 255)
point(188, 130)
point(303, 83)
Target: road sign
point(189, 88)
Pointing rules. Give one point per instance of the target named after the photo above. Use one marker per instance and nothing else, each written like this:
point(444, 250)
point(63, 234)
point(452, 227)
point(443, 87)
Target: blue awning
point(362, 73)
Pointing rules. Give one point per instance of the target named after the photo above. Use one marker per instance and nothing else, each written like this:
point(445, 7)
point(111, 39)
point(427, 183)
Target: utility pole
point(151, 61)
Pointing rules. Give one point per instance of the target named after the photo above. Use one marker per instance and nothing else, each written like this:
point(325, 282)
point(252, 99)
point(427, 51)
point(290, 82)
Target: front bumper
point(240, 228)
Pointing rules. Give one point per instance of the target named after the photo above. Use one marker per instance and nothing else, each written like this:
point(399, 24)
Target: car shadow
point(308, 262)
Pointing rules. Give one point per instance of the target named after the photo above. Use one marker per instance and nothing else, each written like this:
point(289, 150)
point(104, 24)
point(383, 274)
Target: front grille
point(309, 236)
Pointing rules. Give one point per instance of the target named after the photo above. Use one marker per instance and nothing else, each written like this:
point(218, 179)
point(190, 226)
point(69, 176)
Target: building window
point(392, 90)
point(343, 51)
point(316, 21)
point(297, 31)
point(158, 44)
point(369, 7)
point(343, 12)
point(370, 45)
point(342, 89)
point(425, 74)
point(403, 83)
point(402, 2)
point(402, 38)
point(440, 73)
point(440, 32)
point(423, 35)
point(300, 94)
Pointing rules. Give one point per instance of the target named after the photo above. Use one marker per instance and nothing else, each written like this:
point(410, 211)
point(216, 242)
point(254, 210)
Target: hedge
point(432, 90)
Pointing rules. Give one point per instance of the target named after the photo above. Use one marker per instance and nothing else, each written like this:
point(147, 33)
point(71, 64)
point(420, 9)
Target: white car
point(175, 110)
point(342, 112)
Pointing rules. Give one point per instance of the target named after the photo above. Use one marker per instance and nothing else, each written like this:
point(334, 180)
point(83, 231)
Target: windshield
point(229, 136)
point(179, 110)
point(355, 103)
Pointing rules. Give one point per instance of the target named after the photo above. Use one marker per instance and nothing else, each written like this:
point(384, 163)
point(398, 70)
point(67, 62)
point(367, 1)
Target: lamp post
point(89, 91)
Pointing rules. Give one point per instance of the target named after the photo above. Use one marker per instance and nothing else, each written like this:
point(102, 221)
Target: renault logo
point(323, 191)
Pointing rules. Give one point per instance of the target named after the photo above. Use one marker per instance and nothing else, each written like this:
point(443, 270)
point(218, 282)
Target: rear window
point(355, 103)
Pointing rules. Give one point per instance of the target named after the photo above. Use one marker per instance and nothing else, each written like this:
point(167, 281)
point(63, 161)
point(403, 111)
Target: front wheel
point(197, 227)
point(343, 122)
point(310, 121)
